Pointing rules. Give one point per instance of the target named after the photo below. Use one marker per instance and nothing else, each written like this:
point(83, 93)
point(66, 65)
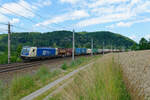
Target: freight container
point(78, 51)
point(46, 52)
point(100, 50)
point(62, 52)
point(95, 51)
point(69, 51)
point(83, 51)
point(89, 51)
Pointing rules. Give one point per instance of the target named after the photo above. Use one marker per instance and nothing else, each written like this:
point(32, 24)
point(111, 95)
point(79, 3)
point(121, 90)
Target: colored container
point(46, 52)
point(100, 50)
point(89, 51)
point(62, 52)
point(78, 51)
point(95, 51)
point(83, 50)
point(69, 51)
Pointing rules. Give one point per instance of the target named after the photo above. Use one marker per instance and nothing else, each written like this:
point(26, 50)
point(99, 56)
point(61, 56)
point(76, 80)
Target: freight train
point(33, 53)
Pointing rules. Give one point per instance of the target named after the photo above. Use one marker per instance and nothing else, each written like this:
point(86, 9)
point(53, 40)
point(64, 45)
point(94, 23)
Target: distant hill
point(64, 39)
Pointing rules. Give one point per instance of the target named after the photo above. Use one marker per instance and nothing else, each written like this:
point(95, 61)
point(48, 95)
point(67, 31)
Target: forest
point(61, 39)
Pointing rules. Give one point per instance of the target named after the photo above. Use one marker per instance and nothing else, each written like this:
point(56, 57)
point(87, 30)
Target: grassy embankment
point(102, 81)
point(24, 85)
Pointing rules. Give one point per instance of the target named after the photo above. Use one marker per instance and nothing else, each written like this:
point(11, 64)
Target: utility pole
point(111, 48)
point(103, 47)
point(73, 45)
point(92, 47)
point(9, 43)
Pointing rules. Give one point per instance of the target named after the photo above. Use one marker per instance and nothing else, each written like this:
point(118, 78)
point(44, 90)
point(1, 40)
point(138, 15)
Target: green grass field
point(24, 85)
point(102, 81)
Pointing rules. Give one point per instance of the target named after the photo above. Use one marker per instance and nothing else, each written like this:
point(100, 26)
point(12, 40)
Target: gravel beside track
point(30, 68)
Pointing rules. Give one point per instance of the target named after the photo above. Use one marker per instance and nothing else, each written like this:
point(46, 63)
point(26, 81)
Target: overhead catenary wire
point(24, 17)
point(37, 14)
point(18, 27)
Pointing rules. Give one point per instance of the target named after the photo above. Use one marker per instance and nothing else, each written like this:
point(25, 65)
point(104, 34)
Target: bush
point(20, 84)
point(64, 66)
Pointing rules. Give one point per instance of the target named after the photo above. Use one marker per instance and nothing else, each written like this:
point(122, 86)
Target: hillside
point(64, 39)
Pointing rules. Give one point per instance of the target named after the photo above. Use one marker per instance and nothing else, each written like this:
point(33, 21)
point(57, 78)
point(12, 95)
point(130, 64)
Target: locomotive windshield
point(25, 51)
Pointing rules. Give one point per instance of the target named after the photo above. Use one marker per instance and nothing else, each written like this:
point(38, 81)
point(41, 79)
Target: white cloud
point(14, 21)
point(69, 1)
point(128, 24)
point(106, 11)
point(104, 19)
point(43, 3)
point(147, 36)
point(15, 8)
point(3, 18)
point(105, 2)
point(133, 37)
point(78, 14)
point(46, 2)
point(122, 24)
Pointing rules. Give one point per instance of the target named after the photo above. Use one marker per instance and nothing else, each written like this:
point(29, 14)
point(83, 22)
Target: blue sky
point(130, 18)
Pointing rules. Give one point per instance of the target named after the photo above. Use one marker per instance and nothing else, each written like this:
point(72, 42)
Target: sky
point(130, 18)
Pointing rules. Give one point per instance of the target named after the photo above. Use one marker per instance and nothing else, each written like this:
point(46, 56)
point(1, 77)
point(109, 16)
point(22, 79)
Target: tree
point(143, 44)
point(135, 46)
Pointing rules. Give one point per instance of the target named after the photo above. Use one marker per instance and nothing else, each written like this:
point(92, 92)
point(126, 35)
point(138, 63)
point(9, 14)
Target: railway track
point(17, 66)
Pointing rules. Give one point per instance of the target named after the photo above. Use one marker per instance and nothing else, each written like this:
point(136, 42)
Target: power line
point(24, 17)
point(14, 26)
point(36, 13)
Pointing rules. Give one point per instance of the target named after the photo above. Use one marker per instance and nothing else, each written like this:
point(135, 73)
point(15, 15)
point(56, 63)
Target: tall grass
point(102, 81)
point(75, 63)
point(24, 85)
point(1, 90)
point(21, 86)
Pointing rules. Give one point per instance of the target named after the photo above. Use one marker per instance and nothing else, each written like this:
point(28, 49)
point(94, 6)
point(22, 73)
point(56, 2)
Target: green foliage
point(62, 39)
point(1, 90)
point(3, 58)
point(102, 81)
point(43, 74)
point(64, 66)
point(143, 44)
point(21, 84)
point(74, 63)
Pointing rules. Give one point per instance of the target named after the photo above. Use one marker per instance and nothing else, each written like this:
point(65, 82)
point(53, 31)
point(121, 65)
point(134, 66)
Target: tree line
point(143, 45)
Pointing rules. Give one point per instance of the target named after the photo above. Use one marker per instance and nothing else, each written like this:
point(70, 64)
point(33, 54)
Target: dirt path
point(49, 86)
point(52, 64)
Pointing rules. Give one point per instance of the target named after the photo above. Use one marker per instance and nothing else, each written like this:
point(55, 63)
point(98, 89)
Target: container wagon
point(83, 51)
point(78, 51)
point(89, 51)
point(62, 52)
point(95, 51)
point(69, 51)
